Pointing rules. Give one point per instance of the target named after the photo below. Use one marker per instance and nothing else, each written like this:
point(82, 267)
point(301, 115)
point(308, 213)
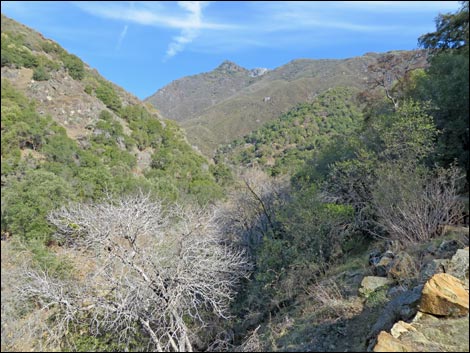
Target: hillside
point(237, 109)
point(188, 97)
point(286, 143)
point(70, 134)
point(335, 218)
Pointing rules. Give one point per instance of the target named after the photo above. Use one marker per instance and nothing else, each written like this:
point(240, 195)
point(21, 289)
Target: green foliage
point(408, 134)
point(40, 74)
point(106, 93)
point(451, 31)
point(15, 53)
point(446, 85)
point(74, 65)
point(25, 203)
point(147, 131)
point(284, 145)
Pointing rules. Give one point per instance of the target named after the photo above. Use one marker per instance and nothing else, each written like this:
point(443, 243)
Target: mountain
point(61, 120)
point(226, 103)
point(188, 97)
point(284, 144)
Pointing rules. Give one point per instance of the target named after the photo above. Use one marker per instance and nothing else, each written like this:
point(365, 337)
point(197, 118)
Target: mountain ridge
point(219, 106)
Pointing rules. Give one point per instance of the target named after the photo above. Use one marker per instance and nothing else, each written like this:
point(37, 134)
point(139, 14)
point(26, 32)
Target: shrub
point(74, 65)
point(40, 74)
point(412, 204)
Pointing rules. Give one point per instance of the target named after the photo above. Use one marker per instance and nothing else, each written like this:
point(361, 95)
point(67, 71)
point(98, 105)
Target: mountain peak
point(230, 67)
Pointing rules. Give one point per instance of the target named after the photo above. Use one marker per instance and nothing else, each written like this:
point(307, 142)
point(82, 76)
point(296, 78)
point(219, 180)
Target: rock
point(447, 249)
point(374, 257)
point(444, 295)
point(403, 267)
point(401, 327)
point(395, 291)
point(370, 284)
point(402, 307)
point(387, 343)
point(459, 264)
point(426, 333)
point(431, 268)
point(383, 266)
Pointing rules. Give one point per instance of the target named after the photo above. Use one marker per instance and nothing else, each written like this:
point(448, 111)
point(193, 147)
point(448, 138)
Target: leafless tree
point(413, 206)
point(250, 211)
point(149, 268)
point(391, 69)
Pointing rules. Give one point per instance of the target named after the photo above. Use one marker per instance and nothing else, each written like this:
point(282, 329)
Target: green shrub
point(74, 65)
point(106, 93)
point(40, 74)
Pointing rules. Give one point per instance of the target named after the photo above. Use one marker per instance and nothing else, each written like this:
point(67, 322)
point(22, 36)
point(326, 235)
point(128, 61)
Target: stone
point(447, 249)
point(444, 295)
point(370, 284)
point(431, 268)
point(383, 266)
point(459, 264)
point(402, 307)
point(403, 267)
point(387, 343)
point(401, 327)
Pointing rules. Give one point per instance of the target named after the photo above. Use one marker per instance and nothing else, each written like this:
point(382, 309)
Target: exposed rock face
point(444, 295)
point(259, 71)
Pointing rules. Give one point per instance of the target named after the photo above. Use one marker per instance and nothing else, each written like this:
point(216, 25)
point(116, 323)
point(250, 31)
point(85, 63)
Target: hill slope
point(284, 144)
point(233, 105)
point(69, 134)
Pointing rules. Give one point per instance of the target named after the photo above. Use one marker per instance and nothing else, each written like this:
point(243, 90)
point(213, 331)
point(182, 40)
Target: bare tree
point(391, 69)
point(252, 206)
point(413, 206)
point(152, 269)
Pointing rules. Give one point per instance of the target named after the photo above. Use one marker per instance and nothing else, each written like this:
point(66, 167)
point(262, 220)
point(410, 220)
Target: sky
point(144, 45)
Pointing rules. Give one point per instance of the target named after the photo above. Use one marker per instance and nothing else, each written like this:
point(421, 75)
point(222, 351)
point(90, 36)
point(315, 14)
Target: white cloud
point(189, 33)
point(122, 36)
point(153, 14)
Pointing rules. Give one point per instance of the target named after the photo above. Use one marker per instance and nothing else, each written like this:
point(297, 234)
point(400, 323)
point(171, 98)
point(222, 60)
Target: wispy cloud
point(187, 18)
point(122, 35)
point(189, 33)
point(155, 14)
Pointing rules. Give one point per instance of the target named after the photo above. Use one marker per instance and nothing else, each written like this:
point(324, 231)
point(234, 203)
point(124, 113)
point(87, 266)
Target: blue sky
point(143, 46)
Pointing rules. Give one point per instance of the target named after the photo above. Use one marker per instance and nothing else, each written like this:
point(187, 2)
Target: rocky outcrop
point(434, 315)
point(444, 295)
point(426, 333)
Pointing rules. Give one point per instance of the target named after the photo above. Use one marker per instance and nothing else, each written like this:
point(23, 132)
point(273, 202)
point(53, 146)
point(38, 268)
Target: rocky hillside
point(226, 103)
point(61, 119)
point(188, 97)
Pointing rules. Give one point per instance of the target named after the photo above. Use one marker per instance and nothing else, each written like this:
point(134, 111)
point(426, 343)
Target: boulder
point(426, 333)
point(431, 268)
point(444, 295)
point(447, 249)
point(459, 264)
point(403, 268)
point(370, 284)
point(387, 343)
point(383, 266)
point(401, 327)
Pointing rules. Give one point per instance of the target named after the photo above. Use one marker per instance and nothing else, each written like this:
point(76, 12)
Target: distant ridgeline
point(230, 101)
point(285, 144)
point(68, 134)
